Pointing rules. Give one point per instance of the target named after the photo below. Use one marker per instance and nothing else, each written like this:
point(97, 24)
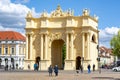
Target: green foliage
point(115, 44)
point(63, 53)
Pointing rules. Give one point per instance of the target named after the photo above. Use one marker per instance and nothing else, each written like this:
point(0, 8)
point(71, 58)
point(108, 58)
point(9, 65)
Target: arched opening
point(6, 63)
point(12, 62)
point(93, 38)
point(6, 60)
point(78, 62)
point(57, 57)
point(37, 61)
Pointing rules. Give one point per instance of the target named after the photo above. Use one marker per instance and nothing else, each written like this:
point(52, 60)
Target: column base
point(69, 65)
point(44, 64)
point(29, 62)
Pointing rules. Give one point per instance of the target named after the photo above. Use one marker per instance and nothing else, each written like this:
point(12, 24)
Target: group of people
point(88, 67)
point(51, 69)
point(55, 69)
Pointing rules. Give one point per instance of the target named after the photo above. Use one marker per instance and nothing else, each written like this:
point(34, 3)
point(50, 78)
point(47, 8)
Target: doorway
point(56, 53)
point(78, 62)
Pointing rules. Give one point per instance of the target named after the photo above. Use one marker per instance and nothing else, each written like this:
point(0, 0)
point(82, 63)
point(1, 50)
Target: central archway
point(56, 53)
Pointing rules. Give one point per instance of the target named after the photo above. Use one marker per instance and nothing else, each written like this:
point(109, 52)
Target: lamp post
point(98, 59)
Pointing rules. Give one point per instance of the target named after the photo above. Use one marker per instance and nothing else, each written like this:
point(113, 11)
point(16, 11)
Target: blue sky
point(13, 12)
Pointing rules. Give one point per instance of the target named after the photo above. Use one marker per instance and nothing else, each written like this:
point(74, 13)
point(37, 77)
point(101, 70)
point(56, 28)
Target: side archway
point(37, 60)
point(78, 62)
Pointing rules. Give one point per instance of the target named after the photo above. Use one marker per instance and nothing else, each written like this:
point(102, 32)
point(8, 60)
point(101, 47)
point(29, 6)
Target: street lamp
point(98, 59)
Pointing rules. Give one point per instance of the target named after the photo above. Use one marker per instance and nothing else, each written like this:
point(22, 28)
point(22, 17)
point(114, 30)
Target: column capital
point(87, 32)
point(45, 33)
point(69, 32)
point(29, 33)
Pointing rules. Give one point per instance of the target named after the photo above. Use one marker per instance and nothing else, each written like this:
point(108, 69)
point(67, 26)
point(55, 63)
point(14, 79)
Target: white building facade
point(12, 49)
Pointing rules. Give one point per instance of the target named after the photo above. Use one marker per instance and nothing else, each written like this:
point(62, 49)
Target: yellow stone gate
point(46, 35)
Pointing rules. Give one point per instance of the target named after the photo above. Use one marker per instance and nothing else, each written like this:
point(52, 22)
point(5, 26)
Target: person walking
point(93, 67)
point(35, 67)
point(50, 70)
point(81, 68)
point(89, 71)
point(28, 66)
point(56, 70)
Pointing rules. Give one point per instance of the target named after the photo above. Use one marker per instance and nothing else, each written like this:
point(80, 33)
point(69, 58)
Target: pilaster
point(67, 45)
point(26, 46)
point(46, 45)
point(88, 46)
point(83, 45)
point(71, 57)
point(41, 47)
point(31, 46)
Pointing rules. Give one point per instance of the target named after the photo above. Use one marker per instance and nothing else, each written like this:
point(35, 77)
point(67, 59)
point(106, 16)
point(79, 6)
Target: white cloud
point(22, 1)
point(105, 35)
point(12, 15)
point(22, 31)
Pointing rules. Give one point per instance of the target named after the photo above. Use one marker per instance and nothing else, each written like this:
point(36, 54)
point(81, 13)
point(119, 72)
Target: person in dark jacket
point(89, 67)
point(50, 70)
point(93, 67)
point(56, 70)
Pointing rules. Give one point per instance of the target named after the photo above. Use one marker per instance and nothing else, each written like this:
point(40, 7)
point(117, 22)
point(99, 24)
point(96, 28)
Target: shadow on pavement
point(117, 79)
point(110, 78)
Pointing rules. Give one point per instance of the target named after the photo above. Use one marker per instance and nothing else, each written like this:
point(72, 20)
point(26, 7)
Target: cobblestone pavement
point(63, 75)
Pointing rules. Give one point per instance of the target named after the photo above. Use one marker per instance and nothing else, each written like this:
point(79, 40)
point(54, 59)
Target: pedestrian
point(35, 66)
point(81, 68)
point(56, 70)
point(93, 67)
point(28, 66)
point(50, 70)
point(89, 71)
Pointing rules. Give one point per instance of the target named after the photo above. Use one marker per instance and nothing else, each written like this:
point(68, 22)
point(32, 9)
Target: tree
point(63, 53)
point(115, 44)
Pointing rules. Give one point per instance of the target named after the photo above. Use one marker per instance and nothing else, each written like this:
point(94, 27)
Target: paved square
point(63, 75)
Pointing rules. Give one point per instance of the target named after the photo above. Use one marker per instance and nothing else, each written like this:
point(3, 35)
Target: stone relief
point(55, 36)
point(58, 12)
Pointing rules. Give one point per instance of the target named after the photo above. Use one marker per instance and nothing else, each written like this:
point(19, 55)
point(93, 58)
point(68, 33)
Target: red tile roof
point(105, 50)
point(11, 35)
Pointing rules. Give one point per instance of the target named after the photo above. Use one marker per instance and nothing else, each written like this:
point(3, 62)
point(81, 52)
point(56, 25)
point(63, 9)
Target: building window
point(12, 50)
point(6, 41)
point(93, 38)
point(12, 41)
point(0, 51)
point(6, 50)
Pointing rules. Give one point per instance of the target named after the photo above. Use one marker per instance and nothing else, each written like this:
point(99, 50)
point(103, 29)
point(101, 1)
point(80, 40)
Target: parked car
point(116, 68)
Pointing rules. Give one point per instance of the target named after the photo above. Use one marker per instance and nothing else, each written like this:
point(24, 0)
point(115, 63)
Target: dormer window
point(6, 37)
point(6, 41)
point(12, 41)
